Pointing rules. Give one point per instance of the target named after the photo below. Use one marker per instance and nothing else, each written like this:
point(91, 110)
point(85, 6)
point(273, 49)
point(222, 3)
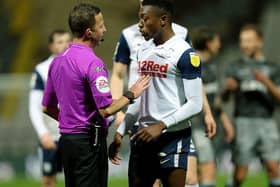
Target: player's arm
point(120, 65)
point(228, 127)
point(35, 107)
point(35, 111)
point(273, 89)
point(130, 119)
point(208, 117)
point(101, 94)
point(117, 80)
point(135, 91)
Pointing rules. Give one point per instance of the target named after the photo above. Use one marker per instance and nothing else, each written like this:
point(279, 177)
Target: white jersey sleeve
point(193, 93)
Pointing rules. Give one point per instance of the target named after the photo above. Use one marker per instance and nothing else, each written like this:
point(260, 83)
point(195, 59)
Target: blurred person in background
point(125, 63)
point(47, 128)
point(77, 94)
point(256, 129)
point(207, 44)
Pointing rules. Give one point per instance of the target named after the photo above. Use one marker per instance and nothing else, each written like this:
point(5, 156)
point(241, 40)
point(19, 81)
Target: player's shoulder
point(179, 45)
point(180, 30)
point(131, 29)
point(44, 65)
point(131, 32)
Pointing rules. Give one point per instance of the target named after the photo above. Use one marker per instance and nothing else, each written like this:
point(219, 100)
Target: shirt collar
point(80, 45)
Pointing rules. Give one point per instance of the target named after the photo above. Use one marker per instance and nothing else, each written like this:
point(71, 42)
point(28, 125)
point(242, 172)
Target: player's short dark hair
point(201, 36)
point(81, 17)
point(165, 5)
point(252, 27)
point(53, 33)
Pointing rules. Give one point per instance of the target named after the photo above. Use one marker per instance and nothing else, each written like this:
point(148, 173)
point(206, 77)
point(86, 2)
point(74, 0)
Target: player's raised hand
point(140, 86)
point(210, 125)
point(115, 148)
point(47, 141)
point(148, 133)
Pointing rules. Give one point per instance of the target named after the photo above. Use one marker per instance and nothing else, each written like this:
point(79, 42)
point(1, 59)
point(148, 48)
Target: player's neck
point(164, 36)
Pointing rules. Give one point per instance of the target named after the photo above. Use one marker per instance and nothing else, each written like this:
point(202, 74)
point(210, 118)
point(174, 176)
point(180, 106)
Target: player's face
point(214, 45)
point(98, 29)
point(60, 43)
point(250, 43)
point(149, 22)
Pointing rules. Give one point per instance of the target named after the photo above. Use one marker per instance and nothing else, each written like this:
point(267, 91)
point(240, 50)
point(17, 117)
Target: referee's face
point(98, 29)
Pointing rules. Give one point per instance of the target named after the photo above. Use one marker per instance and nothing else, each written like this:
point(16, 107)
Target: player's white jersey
point(168, 64)
point(130, 41)
point(42, 123)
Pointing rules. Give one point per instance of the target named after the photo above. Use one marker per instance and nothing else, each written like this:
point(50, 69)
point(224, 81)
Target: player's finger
point(145, 137)
point(136, 135)
point(115, 161)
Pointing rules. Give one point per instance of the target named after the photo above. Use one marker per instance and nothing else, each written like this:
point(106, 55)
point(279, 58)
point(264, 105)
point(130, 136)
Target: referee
point(77, 94)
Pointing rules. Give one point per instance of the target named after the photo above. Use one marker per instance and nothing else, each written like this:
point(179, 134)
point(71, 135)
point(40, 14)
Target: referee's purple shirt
point(78, 84)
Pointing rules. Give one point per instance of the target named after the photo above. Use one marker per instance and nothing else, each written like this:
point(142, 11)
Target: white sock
point(191, 185)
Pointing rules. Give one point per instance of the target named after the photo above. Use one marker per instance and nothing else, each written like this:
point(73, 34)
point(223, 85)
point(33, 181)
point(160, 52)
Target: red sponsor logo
point(153, 69)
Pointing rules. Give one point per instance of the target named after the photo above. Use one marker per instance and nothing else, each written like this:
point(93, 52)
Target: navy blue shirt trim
point(122, 53)
point(186, 68)
point(39, 83)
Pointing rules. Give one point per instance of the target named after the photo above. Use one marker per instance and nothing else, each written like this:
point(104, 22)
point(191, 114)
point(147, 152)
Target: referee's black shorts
point(85, 162)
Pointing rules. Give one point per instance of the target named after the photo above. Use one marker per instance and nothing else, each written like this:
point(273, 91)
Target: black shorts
point(155, 159)
point(85, 162)
point(51, 160)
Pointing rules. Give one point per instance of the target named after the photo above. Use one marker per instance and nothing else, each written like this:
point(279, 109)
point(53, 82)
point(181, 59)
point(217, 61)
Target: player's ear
point(163, 20)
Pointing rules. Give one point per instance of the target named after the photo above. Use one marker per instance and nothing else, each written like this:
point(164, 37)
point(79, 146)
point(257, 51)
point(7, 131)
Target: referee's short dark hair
point(81, 17)
point(53, 33)
point(201, 36)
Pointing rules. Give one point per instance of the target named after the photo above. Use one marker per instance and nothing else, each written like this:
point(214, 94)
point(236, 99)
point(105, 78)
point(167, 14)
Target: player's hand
point(119, 118)
point(259, 76)
point(230, 134)
point(231, 84)
point(210, 125)
point(140, 86)
point(149, 133)
point(115, 148)
point(47, 141)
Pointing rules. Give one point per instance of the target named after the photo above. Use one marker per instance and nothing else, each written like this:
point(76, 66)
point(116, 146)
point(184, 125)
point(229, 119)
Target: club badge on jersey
point(195, 60)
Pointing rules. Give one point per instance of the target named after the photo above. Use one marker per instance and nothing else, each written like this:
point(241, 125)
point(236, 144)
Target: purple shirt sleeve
point(99, 83)
point(49, 98)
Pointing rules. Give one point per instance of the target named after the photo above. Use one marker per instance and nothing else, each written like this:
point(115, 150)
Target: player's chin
point(146, 37)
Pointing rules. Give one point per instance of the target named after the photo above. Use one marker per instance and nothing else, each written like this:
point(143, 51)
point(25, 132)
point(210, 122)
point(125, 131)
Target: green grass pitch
point(258, 180)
